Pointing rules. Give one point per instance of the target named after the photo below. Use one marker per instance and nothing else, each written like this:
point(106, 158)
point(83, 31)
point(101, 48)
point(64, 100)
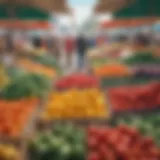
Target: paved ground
point(73, 67)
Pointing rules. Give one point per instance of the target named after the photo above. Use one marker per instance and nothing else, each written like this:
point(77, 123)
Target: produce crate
point(43, 124)
point(102, 135)
point(148, 123)
point(138, 108)
point(65, 129)
point(148, 71)
point(78, 80)
point(20, 142)
point(114, 82)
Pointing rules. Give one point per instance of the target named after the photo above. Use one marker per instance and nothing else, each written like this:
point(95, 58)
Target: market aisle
point(74, 66)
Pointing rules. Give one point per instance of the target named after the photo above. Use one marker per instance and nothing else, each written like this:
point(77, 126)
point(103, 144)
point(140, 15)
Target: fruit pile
point(122, 143)
point(148, 125)
point(59, 144)
point(15, 115)
point(112, 70)
point(76, 104)
point(78, 80)
point(8, 152)
point(137, 97)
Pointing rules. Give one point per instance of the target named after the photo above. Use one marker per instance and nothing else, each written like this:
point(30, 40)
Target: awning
point(45, 5)
point(118, 23)
point(129, 8)
point(27, 24)
point(104, 6)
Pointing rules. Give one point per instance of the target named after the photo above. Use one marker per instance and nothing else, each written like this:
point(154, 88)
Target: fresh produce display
point(4, 79)
point(26, 85)
point(8, 152)
point(112, 82)
point(147, 71)
point(15, 115)
point(121, 142)
point(63, 142)
point(78, 80)
point(97, 62)
point(136, 97)
point(36, 68)
point(46, 60)
point(14, 72)
point(142, 58)
point(112, 70)
point(146, 124)
point(76, 104)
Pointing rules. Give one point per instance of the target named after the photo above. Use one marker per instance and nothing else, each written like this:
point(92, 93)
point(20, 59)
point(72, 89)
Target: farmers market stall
point(111, 112)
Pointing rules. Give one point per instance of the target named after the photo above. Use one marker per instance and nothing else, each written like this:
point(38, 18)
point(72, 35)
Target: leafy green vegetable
point(26, 85)
point(60, 144)
point(142, 58)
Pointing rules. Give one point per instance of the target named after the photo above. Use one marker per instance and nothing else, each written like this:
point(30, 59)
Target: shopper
point(81, 50)
point(38, 46)
point(69, 49)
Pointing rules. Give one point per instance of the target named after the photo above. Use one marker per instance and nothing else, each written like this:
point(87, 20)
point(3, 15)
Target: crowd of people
point(68, 45)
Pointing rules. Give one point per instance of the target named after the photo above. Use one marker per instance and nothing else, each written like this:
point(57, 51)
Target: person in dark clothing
point(9, 42)
point(37, 43)
point(81, 49)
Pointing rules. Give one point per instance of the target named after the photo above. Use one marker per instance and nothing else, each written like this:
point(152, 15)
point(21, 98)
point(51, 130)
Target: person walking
point(69, 49)
point(81, 50)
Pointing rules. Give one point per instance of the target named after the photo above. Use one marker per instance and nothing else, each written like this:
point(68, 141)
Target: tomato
point(154, 151)
point(93, 156)
point(92, 131)
point(92, 142)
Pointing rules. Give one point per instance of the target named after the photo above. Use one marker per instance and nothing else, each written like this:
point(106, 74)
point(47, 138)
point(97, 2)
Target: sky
point(81, 2)
point(82, 9)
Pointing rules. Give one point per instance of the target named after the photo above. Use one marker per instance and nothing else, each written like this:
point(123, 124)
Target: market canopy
point(118, 23)
point(27, 24)
point(44, 5)
point(29, 14)
point(129, 8)
point(110, 5)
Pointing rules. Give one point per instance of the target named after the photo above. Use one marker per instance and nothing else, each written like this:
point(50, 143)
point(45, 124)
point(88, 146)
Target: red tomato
point(93, 156)
point(92, 131)
point(92, 142)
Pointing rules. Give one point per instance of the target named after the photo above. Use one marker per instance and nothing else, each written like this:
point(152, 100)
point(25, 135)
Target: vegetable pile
point(64, 142)
point(46, 60)
point(112, 70)
point(122, 142)
point(147, 71)
point(121, 81)
point(142, 58)
point(137, 97)
point(148, 125)
point(36, 68)
point(76, 104)
point(26, 85)
point(15, 115)
point(78, 80)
